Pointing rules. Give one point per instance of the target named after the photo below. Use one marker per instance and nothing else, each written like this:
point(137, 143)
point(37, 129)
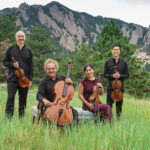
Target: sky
point(130, 11)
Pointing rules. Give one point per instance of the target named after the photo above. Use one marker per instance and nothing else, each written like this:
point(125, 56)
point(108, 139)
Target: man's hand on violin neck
point(16, 64)
point(116, 75)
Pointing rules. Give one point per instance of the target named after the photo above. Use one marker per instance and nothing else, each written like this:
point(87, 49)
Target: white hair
point(20, 32)
point(51, 61)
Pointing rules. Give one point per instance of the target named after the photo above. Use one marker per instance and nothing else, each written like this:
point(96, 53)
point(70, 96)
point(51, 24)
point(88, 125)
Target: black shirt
point(23, 56)
point(45, 89)
point(109, 70)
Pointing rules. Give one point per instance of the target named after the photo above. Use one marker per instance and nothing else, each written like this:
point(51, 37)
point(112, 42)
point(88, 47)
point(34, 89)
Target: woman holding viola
point(86, 87)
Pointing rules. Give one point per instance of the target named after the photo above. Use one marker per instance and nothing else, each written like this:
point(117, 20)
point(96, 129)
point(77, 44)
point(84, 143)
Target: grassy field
point(131, 132)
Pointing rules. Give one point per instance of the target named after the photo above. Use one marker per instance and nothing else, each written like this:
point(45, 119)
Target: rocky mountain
point(69, 28)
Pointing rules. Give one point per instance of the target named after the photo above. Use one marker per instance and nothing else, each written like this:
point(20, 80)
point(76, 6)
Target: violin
point(59, 112)
point(23, 80)
point(94, 98)
point(117, 94)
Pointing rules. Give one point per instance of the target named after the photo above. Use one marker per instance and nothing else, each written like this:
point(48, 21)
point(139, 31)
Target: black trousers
point(12, 88)
point(118, 104)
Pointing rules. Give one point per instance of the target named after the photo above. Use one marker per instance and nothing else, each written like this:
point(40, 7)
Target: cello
point(59, 112)
point(117, 94)
point(23, 80)
point(94, 98)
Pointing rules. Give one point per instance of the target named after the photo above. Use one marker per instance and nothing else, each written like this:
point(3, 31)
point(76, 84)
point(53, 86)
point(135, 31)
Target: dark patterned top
point(88, 90)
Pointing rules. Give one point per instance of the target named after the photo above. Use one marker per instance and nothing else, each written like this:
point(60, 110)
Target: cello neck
point(68, 75)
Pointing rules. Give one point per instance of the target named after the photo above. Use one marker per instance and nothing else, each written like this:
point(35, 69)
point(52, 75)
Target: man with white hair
point(23, 60)
point(45, 94)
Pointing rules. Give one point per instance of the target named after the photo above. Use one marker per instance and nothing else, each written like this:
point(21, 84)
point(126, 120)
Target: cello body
point(60, 112)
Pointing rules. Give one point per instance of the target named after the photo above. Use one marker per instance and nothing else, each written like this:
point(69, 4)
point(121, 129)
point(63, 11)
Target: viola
point(60, 112)
point(117, 94)
point(23, 80)
point(94, 98)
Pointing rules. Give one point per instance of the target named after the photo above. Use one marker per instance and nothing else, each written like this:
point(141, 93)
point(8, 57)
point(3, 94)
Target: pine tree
point(42, 48)
point(8, 28)
point(3, 70)
point(81, 56)
point(138, 83)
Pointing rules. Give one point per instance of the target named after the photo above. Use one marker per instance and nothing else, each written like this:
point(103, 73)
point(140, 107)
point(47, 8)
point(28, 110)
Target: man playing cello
point(45, 90)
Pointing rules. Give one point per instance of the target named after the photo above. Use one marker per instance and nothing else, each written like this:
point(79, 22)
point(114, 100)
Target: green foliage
point(8, 27)
point(131, 132)
point(3, 70)
point(140, 84)
point(147, 67)
point(102, 51)
point(42, 48)
point(110, 35)
point(81, 56)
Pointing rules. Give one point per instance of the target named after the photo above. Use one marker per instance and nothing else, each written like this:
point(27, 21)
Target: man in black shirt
point(45, 89)
point(23, 57)
point(111, 74)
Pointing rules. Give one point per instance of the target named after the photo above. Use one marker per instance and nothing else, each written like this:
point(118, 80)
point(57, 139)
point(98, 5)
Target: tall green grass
point(131, 132)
